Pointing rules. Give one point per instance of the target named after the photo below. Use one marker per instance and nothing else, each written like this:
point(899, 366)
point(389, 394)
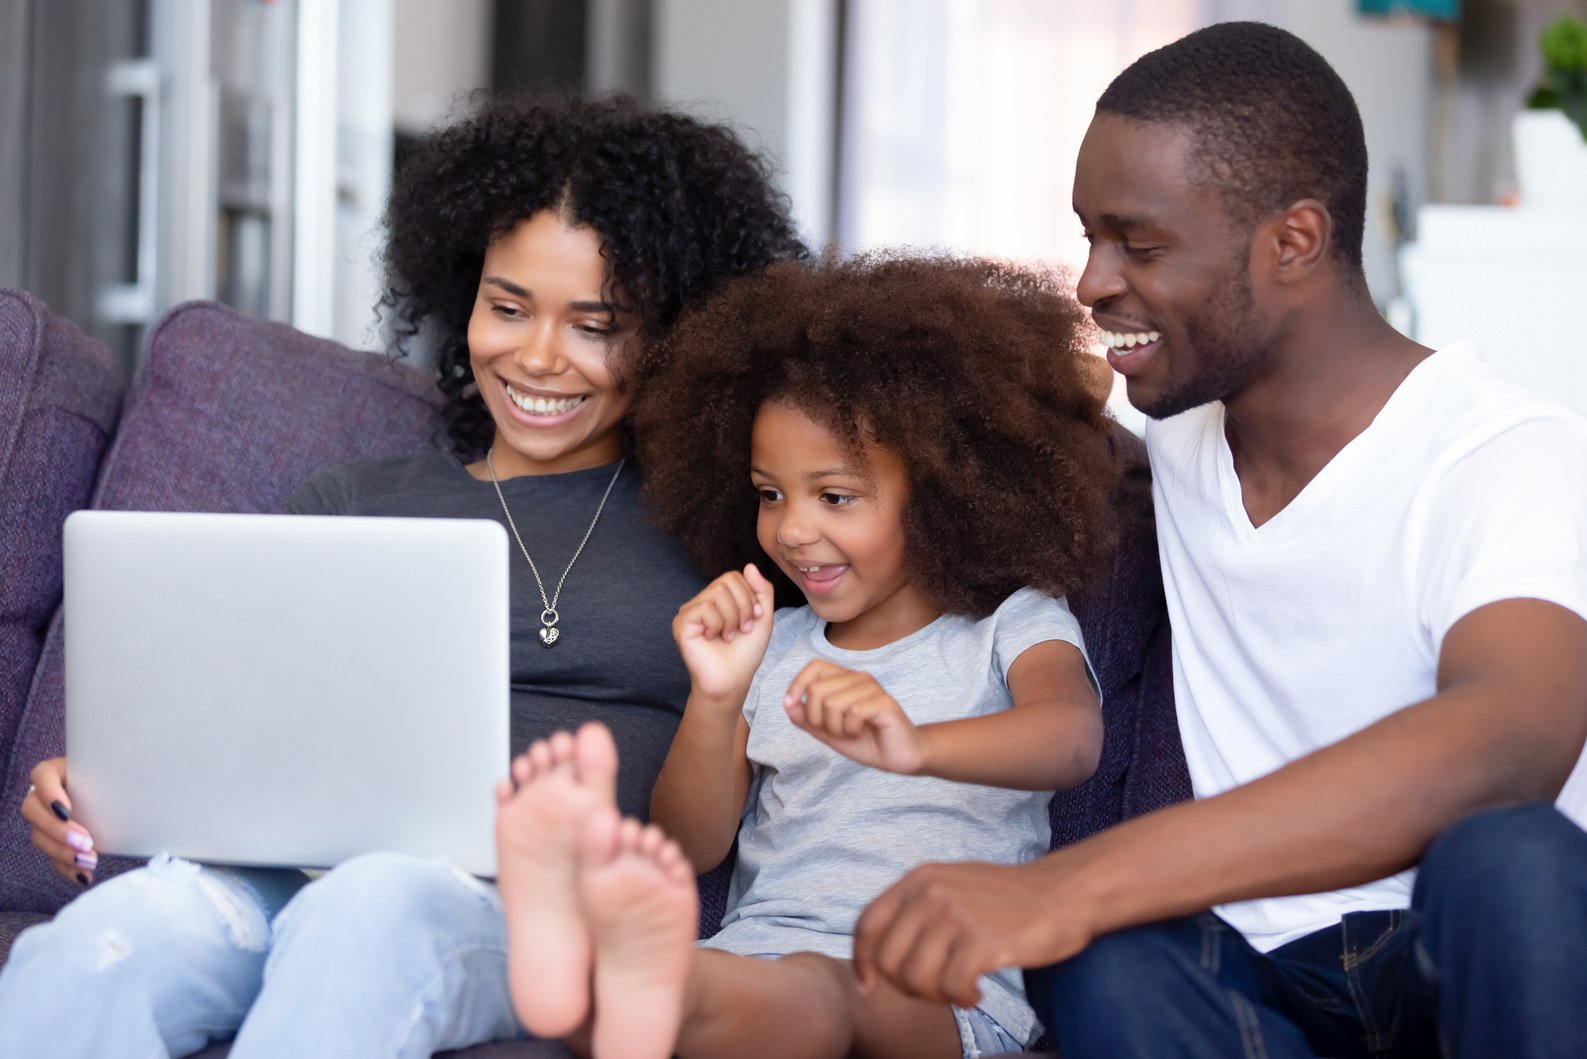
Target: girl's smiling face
point(832, 520)
point(542, 340)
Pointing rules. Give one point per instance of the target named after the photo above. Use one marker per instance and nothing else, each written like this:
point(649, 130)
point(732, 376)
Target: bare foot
point(561, 783)
point(639, 899)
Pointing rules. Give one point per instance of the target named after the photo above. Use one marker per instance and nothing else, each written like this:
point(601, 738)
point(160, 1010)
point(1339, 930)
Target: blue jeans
point(386, 955)
point(1488, 961)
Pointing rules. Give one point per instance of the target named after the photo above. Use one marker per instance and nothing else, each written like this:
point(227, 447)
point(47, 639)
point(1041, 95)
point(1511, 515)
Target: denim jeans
point(1487, 962)
point(386, 955)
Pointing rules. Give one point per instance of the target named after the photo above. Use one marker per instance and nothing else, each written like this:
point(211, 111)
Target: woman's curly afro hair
point(677, 204)
point(972, 371)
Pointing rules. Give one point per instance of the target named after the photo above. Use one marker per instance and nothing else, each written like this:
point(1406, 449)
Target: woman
point(542, 244)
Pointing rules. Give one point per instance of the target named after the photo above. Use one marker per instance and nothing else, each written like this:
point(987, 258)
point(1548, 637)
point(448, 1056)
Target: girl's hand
point(722, 633)
point(59, 837)
point(849, 712)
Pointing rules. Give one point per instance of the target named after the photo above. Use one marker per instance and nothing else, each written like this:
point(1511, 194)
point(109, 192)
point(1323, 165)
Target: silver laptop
point(286, 690)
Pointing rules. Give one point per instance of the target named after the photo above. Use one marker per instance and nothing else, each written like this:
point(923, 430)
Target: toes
point(561, 748)
point(600, 842)
point(595, 755)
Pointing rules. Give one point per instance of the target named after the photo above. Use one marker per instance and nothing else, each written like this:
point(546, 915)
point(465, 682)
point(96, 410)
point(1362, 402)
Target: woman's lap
point(172, 955)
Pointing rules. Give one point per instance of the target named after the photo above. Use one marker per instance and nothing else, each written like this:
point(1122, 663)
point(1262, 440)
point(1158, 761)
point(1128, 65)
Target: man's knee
point(1516, 857)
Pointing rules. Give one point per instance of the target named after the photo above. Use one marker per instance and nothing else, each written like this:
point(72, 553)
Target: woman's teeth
point(1129, 339)
point(543, 406)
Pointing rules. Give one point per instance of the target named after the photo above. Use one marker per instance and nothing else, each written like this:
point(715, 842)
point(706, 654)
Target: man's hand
point(942, 926)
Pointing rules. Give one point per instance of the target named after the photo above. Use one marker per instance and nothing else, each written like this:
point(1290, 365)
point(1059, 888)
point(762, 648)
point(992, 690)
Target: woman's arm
point(1049, 739)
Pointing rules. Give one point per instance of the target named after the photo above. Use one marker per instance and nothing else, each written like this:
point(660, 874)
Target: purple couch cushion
point(59, 394)
point(228, 414)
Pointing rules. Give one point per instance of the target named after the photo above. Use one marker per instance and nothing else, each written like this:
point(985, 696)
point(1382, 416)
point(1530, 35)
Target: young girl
point(912, 447)
point(543, 245)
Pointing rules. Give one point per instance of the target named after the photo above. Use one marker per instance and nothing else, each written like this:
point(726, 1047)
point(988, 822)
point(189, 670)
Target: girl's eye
point(837, 499)
point(769, 496)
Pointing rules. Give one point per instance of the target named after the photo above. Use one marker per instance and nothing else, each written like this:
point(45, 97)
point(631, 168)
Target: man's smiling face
point(1168, 276)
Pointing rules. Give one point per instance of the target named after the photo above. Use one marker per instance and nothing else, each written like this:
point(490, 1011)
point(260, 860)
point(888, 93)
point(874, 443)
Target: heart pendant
point(548, 636)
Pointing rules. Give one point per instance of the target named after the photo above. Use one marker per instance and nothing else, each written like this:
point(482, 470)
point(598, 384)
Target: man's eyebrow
point(1125, 223)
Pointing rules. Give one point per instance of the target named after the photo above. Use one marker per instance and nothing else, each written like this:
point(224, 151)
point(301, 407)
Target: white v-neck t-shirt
point(1292, 635)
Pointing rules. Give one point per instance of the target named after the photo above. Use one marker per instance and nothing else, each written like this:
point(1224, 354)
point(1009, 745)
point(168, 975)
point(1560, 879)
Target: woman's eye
point(595, 331)
point(507, 312)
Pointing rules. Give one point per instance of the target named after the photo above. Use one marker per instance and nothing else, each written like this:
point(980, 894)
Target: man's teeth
point(1129, 339)
point(543, 406)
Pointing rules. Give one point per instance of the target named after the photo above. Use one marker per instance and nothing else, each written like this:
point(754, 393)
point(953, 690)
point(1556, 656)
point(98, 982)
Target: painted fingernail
point(60, 810)
point(87, 860)
point(79, 841)
point(81, 878)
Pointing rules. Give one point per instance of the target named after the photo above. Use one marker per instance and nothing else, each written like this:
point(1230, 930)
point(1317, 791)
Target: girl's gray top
point(822, 836)
point(615, 661)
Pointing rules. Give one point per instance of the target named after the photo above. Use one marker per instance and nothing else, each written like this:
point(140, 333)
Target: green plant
point(1564, 82)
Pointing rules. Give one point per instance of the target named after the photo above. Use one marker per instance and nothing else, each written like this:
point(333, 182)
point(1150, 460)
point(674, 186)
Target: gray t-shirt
point(822, 836)
point(615, 661)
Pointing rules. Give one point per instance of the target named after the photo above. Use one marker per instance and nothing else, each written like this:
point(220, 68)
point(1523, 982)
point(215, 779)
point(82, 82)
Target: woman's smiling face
point(543, 338)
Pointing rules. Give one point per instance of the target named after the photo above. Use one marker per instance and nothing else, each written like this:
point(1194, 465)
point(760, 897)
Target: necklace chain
point(549, 616)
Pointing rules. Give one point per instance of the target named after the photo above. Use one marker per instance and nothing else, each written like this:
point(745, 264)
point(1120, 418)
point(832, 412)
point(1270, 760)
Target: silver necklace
point(549, 616)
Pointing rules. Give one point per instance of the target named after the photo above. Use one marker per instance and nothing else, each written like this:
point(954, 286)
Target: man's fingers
point(959, 977)
point(874, 923)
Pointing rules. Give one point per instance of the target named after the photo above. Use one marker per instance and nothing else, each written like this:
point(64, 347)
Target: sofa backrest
point(60, 392)
point(229, 414)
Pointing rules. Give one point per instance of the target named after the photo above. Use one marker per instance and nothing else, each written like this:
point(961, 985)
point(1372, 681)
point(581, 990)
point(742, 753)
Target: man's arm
point(1506, 725)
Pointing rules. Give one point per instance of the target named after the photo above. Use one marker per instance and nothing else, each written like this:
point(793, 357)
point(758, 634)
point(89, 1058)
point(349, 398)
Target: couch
point(230, 413)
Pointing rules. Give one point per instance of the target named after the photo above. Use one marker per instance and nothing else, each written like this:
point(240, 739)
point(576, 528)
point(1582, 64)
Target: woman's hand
point(849, 712)
point(60, 838)
point(722, 633)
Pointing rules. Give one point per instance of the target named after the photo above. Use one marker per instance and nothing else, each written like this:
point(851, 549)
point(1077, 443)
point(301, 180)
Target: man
point(1375, 558)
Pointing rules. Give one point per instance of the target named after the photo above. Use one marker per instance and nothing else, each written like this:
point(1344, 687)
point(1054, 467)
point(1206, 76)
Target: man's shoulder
point(1465, 408)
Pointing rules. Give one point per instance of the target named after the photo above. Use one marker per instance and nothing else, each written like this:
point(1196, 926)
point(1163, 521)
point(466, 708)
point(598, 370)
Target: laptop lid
point(285, 689)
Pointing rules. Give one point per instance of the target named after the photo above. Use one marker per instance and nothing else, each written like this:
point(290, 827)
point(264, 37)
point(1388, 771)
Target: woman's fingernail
point(87, 860)
point(81, 878)
point(79, 841)
point(60, 810)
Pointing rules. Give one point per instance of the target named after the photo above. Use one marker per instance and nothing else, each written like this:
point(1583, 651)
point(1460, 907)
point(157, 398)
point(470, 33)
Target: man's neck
point(1337, 373)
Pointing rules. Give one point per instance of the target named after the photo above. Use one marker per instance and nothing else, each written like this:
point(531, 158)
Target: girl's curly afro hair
point(973, 372)
point(678, 205)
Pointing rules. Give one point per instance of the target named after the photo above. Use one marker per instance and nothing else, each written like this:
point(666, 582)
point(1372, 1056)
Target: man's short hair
point(1273, 122)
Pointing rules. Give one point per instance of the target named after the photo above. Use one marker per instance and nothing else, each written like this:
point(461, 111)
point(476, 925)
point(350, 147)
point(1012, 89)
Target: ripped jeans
point(386, 955)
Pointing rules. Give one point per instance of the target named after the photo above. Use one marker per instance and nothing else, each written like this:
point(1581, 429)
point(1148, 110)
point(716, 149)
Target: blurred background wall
point(157, 150)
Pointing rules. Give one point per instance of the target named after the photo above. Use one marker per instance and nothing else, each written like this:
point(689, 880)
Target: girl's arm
point(1049, 739)
point(699, 795)
point(722, 634)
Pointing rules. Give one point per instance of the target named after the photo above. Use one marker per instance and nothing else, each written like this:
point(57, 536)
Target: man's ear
point(1298, 240)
